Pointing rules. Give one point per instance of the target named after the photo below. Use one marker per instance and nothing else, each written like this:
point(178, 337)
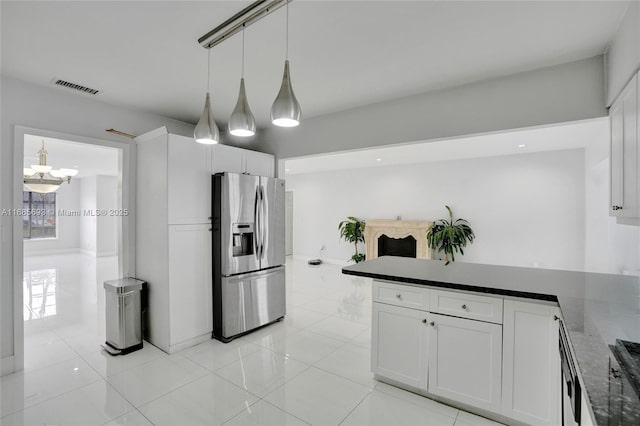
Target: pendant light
point(206, 131)
point(242, 123)
point(286, 111)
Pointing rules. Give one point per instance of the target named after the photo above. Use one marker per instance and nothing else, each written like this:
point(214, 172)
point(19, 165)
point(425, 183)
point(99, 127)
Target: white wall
point(562, 93)
point(88, 222)
point(623, 55)
point(107, 226)
point(610, 247)
point(99, 233)
point(526, 210)
point(68, 231)
point(53, 109)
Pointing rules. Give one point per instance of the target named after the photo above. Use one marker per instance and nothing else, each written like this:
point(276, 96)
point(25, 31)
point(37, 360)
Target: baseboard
point(7, 366)
point(189, 343)
point(93, 253)
point(69, 251)
point(107, 254)
point(30, 253)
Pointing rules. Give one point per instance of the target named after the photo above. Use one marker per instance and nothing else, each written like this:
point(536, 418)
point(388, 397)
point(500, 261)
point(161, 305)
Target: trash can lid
point(124, 285)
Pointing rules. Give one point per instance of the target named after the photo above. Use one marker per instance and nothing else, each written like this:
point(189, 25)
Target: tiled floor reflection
point(39, 293)
point(311, 368)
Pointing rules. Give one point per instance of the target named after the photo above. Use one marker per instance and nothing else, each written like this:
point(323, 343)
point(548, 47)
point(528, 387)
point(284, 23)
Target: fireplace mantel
point(375, 228)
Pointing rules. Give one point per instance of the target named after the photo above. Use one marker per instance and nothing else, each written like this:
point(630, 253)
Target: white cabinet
point(190, 299)
point(531, 369)
point(625, 153)
point(188, 181)
point(431, 340)
point(465, 360)
point(399, 344)
point(173, 242)
point(226, 158)
point(472, 306)
point(401, 295)
point(259, 163)
point(585, 413)
point(456, 358)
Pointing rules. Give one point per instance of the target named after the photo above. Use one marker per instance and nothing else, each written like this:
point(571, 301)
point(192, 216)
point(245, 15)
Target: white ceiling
point(90, 160)
point(552, 138)
point(343, 54)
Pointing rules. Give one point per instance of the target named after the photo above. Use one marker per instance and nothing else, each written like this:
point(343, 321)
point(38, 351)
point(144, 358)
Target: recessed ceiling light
point(521, 145)
point(378, 159)
point(75, 166)
point(287, 170)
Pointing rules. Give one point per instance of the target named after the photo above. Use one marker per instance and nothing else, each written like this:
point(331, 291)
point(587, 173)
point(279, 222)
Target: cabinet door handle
point(424, 321)
point(616, 207)
point(464, 307)
point(399, 296)
point(432, 324)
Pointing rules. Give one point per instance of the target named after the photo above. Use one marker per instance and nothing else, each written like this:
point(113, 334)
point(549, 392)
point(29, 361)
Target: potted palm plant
point(450, 236)
point(352, 231)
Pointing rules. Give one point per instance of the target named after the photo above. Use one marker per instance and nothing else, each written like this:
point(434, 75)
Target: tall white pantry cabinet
point(173, 231)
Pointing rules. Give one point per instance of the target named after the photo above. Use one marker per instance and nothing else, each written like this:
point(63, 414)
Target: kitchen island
point(597, 310)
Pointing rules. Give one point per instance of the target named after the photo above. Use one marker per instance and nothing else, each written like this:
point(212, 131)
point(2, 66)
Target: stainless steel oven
point(571, 391)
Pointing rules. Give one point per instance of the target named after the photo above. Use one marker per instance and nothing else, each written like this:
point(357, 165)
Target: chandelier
point(42, 178)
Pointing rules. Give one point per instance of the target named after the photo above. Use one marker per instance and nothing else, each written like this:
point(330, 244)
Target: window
point(39, 215)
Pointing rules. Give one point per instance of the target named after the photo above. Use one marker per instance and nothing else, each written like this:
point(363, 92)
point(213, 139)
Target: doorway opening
point(72, 241)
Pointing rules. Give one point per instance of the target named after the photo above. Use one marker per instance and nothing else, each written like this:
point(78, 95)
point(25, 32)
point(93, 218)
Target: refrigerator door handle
point(262, 215)
point(256, 221)
point(259, 222)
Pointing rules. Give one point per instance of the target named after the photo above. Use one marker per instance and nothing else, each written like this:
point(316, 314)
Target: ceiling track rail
point(247, 16)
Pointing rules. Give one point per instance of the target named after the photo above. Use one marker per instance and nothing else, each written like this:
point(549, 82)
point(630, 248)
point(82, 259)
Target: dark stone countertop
point(597, 309)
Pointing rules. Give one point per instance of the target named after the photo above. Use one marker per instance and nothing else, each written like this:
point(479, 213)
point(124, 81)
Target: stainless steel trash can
point(124, 303)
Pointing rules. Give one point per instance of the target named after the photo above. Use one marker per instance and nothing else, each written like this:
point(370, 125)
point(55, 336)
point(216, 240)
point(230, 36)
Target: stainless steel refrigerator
point(248, 253)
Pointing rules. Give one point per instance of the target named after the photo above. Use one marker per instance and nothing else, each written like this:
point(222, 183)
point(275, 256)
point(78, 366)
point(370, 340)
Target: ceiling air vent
point(76, 87)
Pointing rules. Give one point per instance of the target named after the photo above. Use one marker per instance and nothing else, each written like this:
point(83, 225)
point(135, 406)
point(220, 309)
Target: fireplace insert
point(404, 247)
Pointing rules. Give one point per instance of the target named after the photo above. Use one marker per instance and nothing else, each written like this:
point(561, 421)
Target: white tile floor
point(312, 368)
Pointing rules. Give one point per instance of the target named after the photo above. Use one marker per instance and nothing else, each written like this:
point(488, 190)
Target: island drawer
point(401, 295)
point(464, 305)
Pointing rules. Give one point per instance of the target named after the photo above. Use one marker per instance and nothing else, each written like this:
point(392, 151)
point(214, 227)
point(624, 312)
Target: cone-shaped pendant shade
point(242, 122)
point(286, 111)
point(206, 130)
